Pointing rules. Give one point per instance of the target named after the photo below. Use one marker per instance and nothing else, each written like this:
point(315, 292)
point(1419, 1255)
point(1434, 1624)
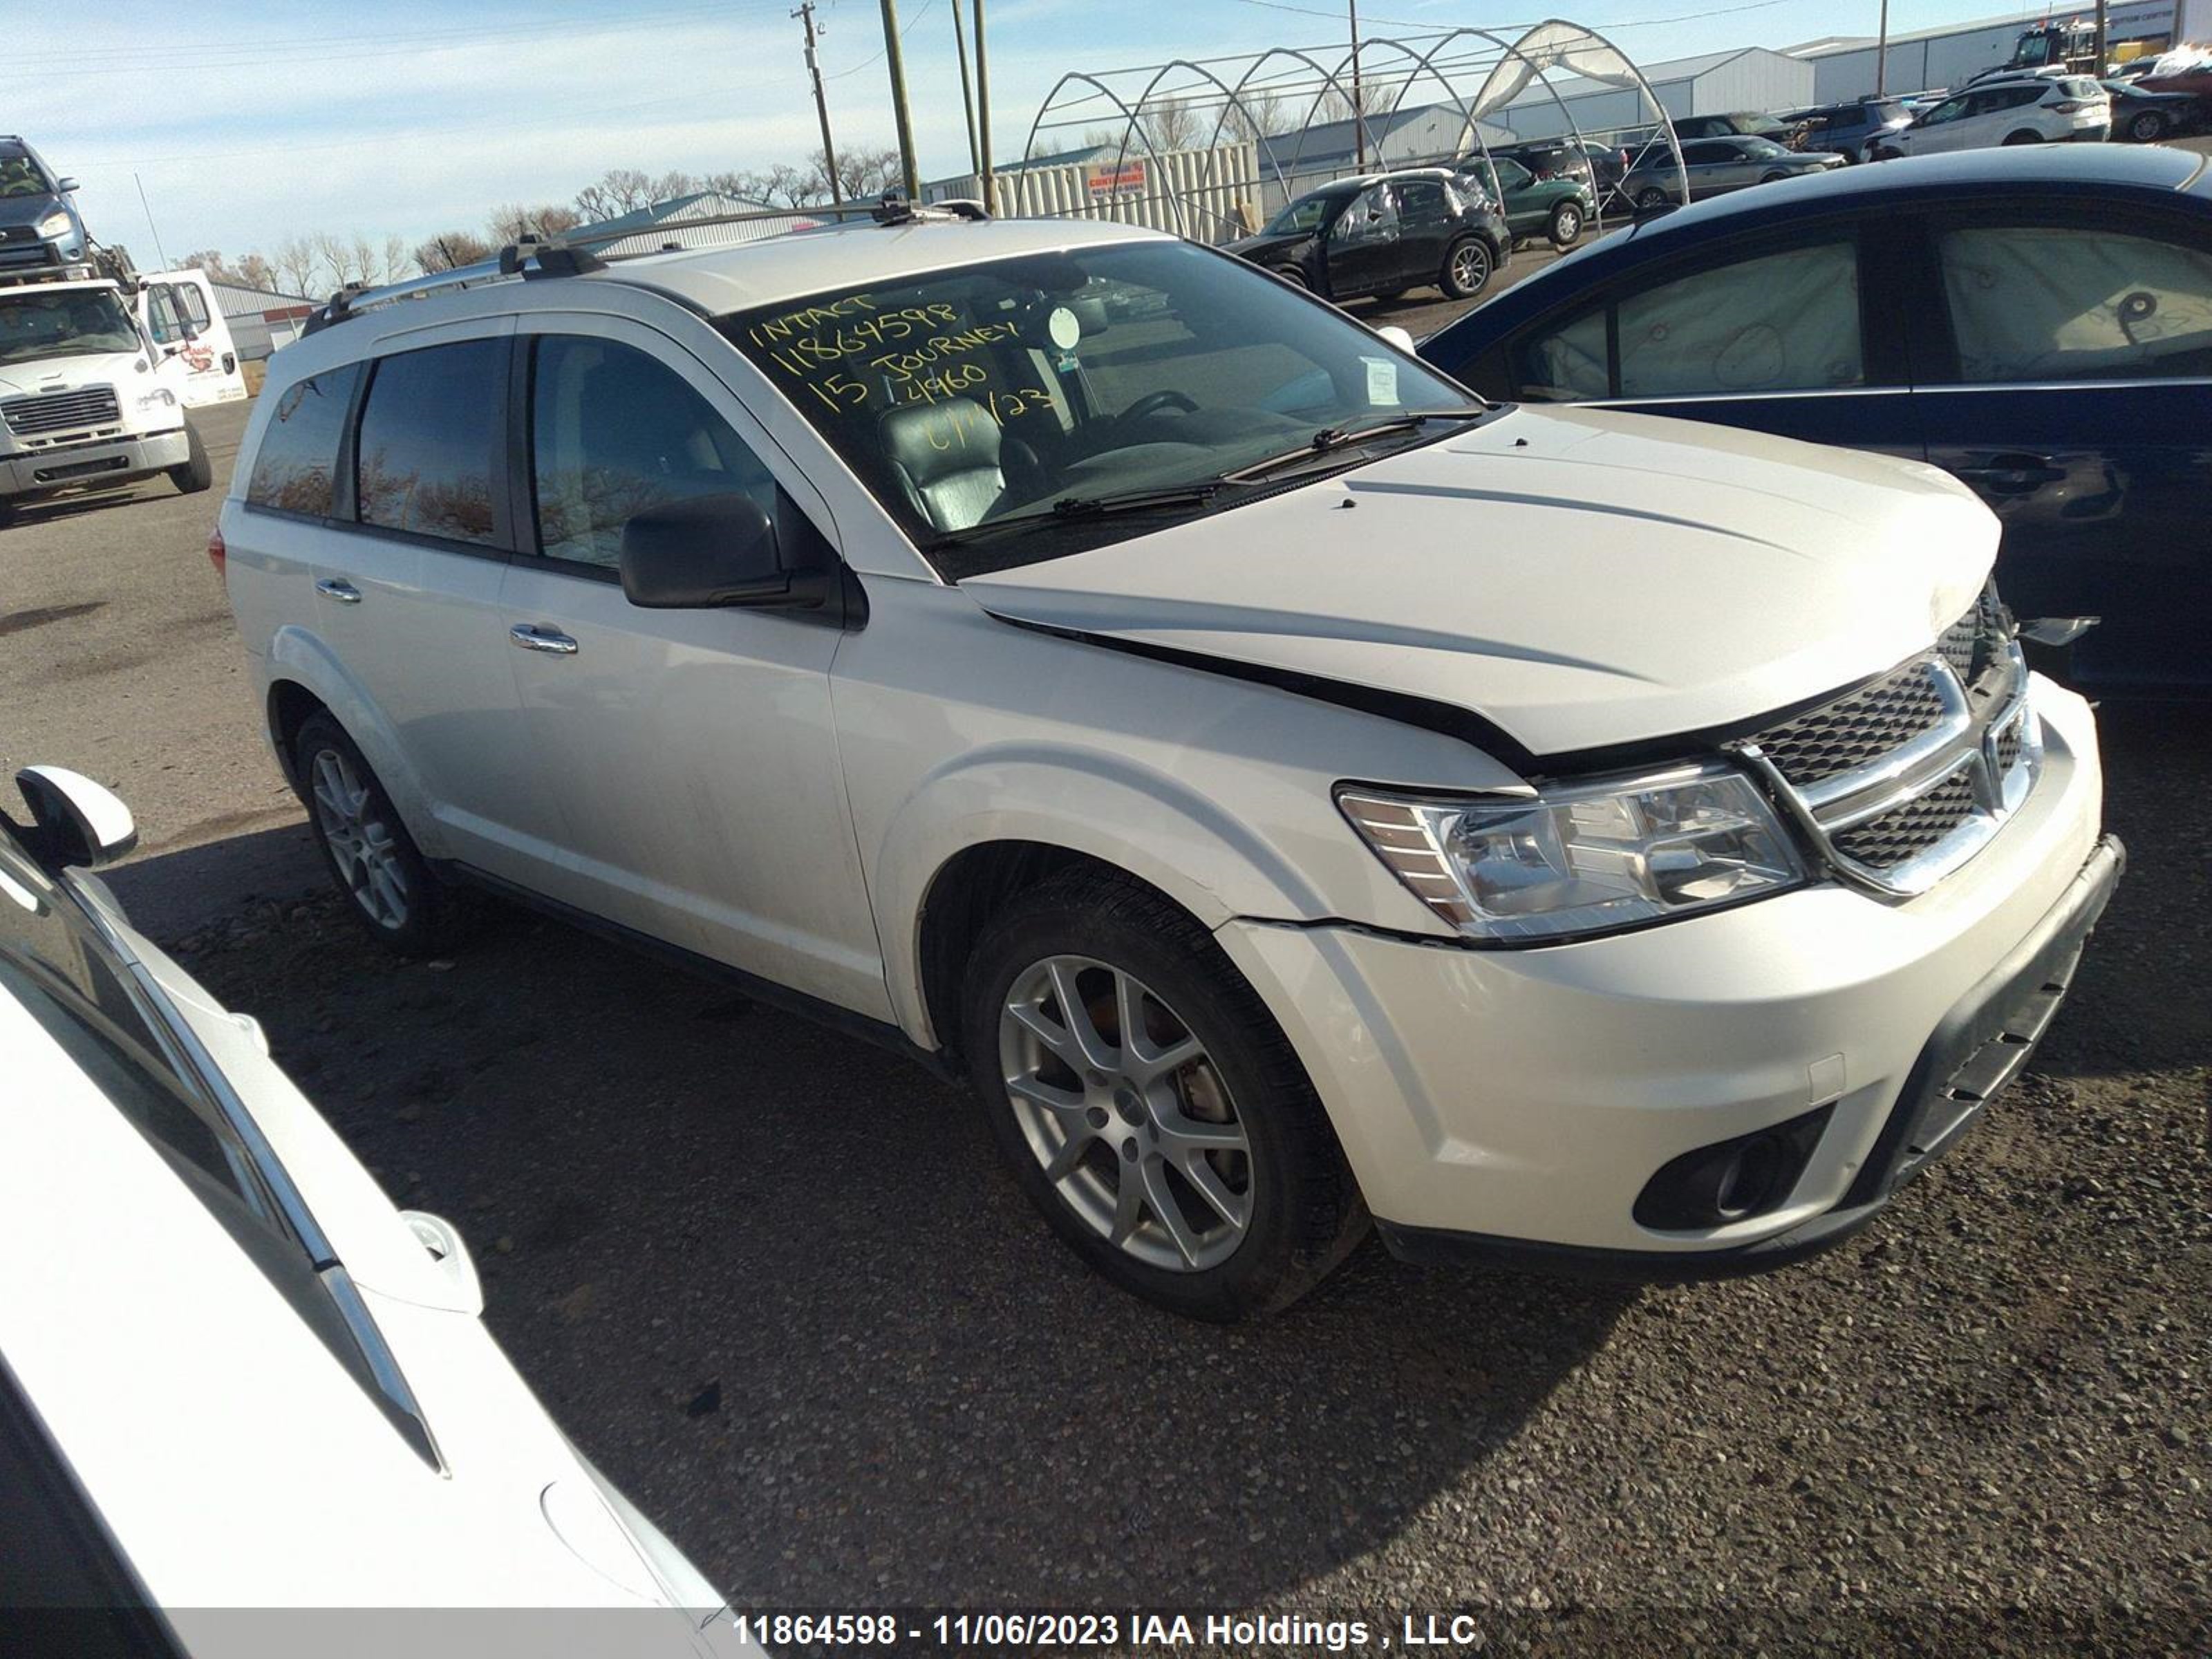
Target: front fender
point(1158, 827)
point(302, 658)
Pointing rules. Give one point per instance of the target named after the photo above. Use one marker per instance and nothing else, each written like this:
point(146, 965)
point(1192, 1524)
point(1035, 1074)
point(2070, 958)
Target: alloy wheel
point(1470, 267)
point(1569, 225)
point(1126, 1113)
point(361, 843)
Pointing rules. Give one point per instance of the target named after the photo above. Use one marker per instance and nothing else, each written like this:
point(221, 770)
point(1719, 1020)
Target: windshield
point(1306, 215)
point(62, 322)
point(20, 175)
point(973, 402)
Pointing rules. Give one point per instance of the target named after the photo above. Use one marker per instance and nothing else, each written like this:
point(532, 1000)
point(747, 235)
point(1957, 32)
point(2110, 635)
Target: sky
point(246, 122)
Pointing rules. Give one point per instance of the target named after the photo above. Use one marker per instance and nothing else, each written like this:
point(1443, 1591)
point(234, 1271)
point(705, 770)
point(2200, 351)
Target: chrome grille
point(61, 412)
point(1891, 838)
point(1904, 779)
point(1849, 734)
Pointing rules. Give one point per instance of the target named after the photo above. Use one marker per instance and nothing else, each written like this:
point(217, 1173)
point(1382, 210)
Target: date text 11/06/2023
point(1271, 1633)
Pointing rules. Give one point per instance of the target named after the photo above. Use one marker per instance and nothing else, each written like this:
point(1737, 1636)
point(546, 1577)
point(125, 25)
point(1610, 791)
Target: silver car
point(1716, 166)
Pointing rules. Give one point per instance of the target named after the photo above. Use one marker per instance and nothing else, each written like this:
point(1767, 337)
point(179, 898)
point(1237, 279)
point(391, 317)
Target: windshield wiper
point(1337, 437)
point(1136, 500)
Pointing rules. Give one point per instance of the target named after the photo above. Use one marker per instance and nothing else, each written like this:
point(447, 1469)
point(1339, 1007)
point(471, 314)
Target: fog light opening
point(1731, 1180)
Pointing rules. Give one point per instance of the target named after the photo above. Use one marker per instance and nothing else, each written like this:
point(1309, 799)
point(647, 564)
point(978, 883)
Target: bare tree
point(299, 263)
point(450, 249)
point(208, 259)
point(512, 222)
point(1170, 124)
point(255, 271)
point(619, 191)
point(1336, 105)
point(1257, 114)
point(862, 171)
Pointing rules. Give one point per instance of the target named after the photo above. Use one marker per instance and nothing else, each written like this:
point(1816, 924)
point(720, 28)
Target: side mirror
point(79, 822)
point(63, 186)
point(710, 551)
point(1397, 337)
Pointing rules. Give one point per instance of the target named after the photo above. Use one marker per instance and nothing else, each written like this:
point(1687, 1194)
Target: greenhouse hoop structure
point(1196, 140)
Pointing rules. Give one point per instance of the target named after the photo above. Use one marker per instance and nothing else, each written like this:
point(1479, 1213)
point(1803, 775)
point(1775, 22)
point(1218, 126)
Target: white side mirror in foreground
point(1397, 337)
point(79, 822)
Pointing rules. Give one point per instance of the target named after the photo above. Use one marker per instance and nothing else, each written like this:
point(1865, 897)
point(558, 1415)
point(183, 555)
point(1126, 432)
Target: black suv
point(1382, 233)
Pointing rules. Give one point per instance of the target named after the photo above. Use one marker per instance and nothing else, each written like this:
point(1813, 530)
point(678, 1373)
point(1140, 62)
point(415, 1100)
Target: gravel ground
point(772, 1281)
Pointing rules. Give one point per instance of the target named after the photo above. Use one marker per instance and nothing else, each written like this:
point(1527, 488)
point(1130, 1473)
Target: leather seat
point(947, 460)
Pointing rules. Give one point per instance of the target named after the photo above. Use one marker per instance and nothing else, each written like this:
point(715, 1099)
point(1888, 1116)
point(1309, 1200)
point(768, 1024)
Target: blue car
point(38, 222)
point(2036, 320)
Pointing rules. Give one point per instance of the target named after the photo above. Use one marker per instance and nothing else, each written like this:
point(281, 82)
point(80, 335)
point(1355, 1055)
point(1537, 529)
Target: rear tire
point(2147, 127)
point(1651, 198)
point(195, 473)
point(390, 887)
point(2023, 136)
point(1468, 267)
point(1271, 1206)
point(1566, 226)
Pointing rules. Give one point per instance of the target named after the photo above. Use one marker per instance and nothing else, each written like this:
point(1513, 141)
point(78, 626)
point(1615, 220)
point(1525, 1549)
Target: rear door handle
point(533, 637)
point(2014, 474)
point(336, 587)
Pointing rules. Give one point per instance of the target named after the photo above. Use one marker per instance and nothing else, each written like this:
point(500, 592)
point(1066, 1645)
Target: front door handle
point(533, 637)
point(2014, 474)
point(336, 587)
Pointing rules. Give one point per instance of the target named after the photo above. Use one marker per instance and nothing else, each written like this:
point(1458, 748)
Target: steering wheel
point(1154, 401)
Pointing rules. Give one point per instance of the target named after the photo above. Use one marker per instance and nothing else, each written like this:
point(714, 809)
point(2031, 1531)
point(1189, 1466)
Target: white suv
point(1290, 790)
point(2031, 109)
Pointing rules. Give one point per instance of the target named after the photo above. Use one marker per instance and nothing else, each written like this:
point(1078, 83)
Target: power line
point(1432, 25)
point(905, 29)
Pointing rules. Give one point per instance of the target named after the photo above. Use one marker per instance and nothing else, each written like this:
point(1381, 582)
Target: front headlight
point(53, 225)
point(1583, 857)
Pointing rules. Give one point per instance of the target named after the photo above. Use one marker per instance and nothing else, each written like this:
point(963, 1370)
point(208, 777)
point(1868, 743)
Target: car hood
point(26, 209)
point(1579, 578)
point(1251, 247)
point(67, 373)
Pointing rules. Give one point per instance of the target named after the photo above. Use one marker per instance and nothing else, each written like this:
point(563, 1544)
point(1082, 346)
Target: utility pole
point(901, 117)
point(2097, 68)
point(1359, 100)
point(967, 92)
point(983, 113)
point(1881, 53)
point(806, 13)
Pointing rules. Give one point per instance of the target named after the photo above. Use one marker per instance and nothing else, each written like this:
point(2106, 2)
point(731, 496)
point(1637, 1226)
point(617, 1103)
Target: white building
point(259, 321)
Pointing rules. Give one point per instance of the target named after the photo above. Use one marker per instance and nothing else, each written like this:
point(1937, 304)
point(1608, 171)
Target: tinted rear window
point(300, 447)
point(427, 436)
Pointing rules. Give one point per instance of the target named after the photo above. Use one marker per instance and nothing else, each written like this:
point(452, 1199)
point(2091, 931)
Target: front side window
point(20, 175)
point(989, 408)
point(2037, 302)
point(1373, 217)
point(294, 468)
point(65, 322)
point(1950, 110)
point(1782, 322)
point(427, 432)
point(1511, 175)
point(614, 433)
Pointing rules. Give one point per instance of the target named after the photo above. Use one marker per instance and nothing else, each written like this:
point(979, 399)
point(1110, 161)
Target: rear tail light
point(217, 553)
point(2069, 105)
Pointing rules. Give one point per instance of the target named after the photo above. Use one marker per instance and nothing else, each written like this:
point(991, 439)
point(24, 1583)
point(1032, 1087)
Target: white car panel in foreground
point(191, 1249)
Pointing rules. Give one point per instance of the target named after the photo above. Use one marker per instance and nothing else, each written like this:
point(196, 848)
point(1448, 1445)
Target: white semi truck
point(97, 368)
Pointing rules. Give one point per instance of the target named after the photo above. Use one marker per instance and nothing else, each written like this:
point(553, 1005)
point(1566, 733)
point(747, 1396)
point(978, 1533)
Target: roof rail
point(569, 253)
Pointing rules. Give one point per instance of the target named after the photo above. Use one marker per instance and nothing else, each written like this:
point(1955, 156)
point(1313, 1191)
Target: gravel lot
point(773, 1282)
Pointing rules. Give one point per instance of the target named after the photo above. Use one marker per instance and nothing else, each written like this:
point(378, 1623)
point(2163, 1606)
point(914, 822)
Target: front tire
point(195, 473)
point(374, 861)
point(1467, 269)
point(1294, 277)
point(1651, 198)
point(1566, 228)
point(2023, 136)
point(1150, 1105)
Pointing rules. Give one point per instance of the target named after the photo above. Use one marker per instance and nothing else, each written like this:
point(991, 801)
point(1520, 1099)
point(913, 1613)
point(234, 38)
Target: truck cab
point(87, 399)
